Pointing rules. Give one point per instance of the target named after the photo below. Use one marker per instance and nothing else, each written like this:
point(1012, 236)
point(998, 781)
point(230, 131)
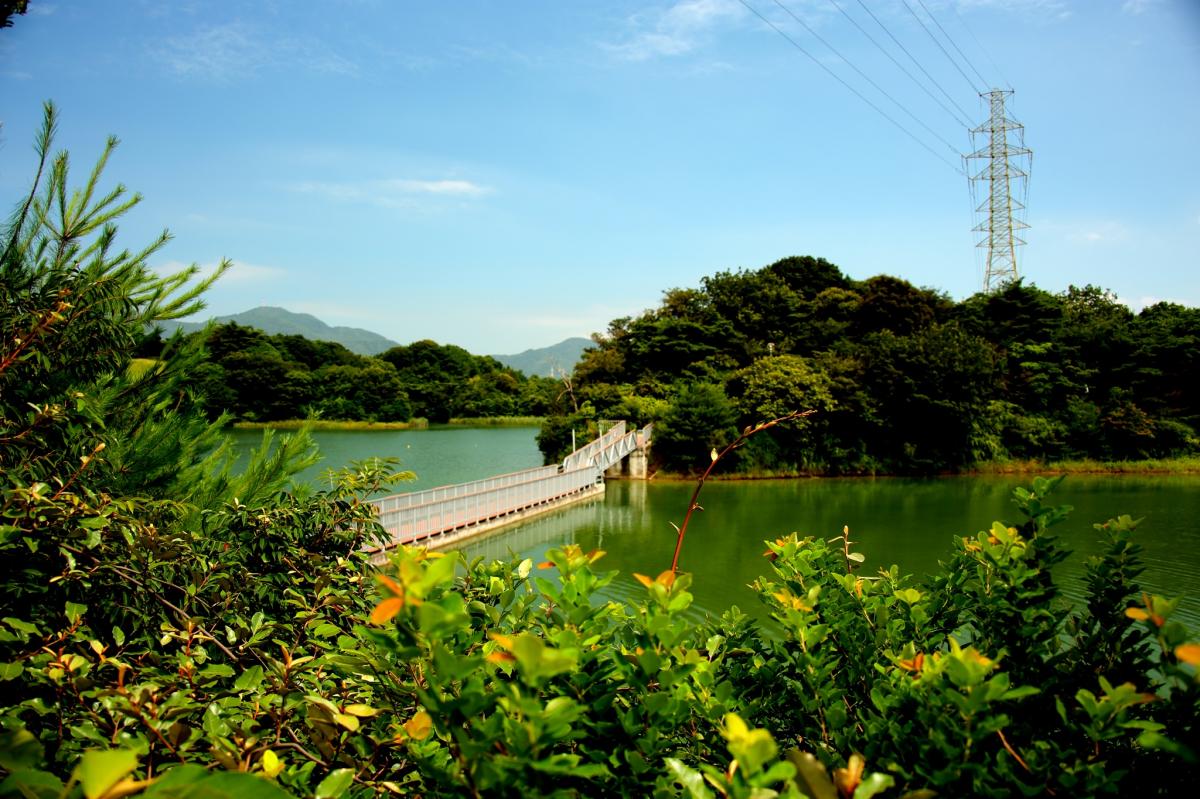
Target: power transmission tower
point(1005, 154)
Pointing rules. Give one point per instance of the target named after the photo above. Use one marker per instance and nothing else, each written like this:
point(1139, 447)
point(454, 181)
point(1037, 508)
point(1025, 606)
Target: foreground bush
point(170, 629)
point(494, 679)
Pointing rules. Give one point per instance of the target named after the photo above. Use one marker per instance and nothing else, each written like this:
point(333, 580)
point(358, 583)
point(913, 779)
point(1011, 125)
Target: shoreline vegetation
point(411, 424)
point(1185, 465)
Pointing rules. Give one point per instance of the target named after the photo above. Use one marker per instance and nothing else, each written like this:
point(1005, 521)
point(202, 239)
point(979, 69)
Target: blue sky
point(502, 175)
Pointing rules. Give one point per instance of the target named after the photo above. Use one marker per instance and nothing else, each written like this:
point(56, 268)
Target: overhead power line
point(853, 90)
point(867, 78)
point(982, 49)
point(901, 67)
point(946, 53)
point(950, 39)
point(856, 91)
point(912, 58)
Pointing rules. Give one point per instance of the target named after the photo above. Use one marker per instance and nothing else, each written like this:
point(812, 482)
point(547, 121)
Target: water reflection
point(907, 522)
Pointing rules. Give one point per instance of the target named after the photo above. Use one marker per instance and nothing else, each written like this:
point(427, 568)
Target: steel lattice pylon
point(1006, 172)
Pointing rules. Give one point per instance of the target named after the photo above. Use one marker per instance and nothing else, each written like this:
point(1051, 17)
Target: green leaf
point(753, 748)
point(811, 776)
point(346, 720)
point(691, 780)
point(1152, 739)
point(1021, 692)
point(325, 630)
point(874, 783)
point(99, 770)
point(8, 533)
point(19, 748)
point(10, 671)
point(75, 611)
point(31, 784)
point(195, 782)
point(20, 626)
point(857, 557)
point(217, 670)
point(335, 784)
point(249, 680)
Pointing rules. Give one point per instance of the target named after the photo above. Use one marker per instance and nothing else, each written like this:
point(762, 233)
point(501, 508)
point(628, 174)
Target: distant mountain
point(548, 361)
point(280, 321)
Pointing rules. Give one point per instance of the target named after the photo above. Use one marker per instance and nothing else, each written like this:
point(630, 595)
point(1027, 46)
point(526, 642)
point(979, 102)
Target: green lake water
point(892, 520)
point(438, 456)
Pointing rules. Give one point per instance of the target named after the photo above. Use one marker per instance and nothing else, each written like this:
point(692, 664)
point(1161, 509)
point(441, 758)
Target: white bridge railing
point(421, 515)
point(589, 452)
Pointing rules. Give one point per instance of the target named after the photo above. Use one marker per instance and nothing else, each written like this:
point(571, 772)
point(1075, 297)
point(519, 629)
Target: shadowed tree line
point(259, 377)
point(904, 379)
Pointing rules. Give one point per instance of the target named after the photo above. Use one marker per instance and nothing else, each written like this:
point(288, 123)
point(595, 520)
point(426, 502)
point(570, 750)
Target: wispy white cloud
point(394, 192)
point(582, 321)
point(240, 273)
point(674, 30)
point(237, 50)
point(1137, 6)
point(335, 313)
point(1141, 303)
point(460, 188)
point(1037, 9)
point(1086, 232)
point(1098, 233)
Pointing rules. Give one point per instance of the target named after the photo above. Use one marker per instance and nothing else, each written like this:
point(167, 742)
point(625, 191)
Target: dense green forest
point(254, 376)
point(174, 630)
point(904, 379)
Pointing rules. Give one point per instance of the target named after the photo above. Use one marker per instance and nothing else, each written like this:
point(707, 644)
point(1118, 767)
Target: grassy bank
point(496, 421)
point(139, 366)
point(331, 424)
point(412, 424)
point(1152, 466)
point(1183, 465)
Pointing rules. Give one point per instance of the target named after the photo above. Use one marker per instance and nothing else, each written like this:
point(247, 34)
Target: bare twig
point(133, 578)
point(693, 505)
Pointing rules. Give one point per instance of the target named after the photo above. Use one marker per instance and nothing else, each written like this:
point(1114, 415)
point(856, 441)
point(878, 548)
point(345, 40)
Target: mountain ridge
point(274, 320)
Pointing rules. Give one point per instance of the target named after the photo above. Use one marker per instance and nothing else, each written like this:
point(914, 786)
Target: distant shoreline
point(1188, 465)
point(412, 424)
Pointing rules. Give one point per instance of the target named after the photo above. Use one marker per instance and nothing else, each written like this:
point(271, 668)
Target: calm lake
point(892, 520)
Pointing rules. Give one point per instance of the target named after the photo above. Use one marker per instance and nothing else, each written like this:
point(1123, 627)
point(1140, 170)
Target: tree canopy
point(904, 378)
point(254, 376)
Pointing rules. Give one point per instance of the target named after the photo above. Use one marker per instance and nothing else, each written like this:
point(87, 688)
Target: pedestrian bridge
point(442, 516)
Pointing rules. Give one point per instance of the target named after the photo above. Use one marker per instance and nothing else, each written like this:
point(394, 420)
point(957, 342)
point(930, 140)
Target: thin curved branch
point(693, 505)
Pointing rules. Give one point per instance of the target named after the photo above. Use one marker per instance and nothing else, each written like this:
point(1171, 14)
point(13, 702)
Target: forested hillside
point(258, 377)
point(904, 379)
